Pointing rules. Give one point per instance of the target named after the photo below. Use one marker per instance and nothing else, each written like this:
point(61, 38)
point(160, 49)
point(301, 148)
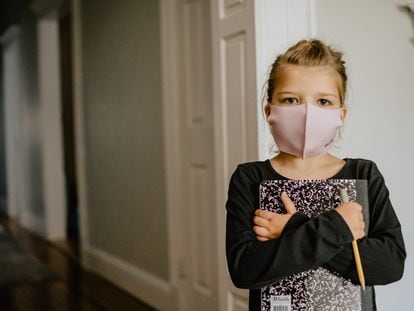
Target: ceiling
point(11, 12)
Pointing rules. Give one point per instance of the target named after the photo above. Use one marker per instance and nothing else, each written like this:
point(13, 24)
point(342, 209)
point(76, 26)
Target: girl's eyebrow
point(319, 94)
point(327, 94)
point(285, 92)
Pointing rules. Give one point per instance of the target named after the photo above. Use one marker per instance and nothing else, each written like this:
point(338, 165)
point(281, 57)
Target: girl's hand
point(269, 225)
point(351, 212)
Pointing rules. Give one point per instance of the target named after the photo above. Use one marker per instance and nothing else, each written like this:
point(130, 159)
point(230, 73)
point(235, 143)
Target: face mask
point(304, 130)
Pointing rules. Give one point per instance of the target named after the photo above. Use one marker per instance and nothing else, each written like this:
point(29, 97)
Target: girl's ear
point(344, 112)
point(266, 110)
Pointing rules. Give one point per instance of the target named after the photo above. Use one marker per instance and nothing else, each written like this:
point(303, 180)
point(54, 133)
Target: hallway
point(121, 124)
point(76, 288)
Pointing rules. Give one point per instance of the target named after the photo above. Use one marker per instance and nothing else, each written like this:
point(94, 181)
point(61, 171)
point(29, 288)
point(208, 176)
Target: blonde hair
point(311, 52)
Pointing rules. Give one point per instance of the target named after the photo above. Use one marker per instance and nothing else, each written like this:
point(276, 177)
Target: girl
point(305, 109)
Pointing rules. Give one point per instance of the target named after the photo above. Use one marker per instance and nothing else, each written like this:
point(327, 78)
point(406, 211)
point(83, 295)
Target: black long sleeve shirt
point(307, 243)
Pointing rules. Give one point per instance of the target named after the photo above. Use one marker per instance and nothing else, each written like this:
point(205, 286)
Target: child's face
point(302, 84)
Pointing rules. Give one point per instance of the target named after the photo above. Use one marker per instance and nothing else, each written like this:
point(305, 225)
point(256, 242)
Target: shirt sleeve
point(382, 251)
point(305, 243)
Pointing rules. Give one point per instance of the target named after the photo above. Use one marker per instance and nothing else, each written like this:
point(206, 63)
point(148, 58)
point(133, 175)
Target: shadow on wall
point(3, 193)
point(408, 9)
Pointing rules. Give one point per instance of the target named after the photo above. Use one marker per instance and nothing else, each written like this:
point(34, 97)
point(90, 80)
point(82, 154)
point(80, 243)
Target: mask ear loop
point(338, 137)
point(272, 147)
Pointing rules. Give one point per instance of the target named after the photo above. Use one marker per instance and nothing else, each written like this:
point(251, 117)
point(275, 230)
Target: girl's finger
point(288, 204)
point(260, 231)
point(262, 239)
point(260, 221)
point(265, 214)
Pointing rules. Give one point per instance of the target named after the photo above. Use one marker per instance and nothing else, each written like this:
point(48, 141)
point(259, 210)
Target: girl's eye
point(290, 100)
point(324, 102)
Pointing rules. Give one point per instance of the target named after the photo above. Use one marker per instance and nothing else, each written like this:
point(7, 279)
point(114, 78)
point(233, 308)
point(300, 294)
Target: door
point(197, 152)
point(235, 113)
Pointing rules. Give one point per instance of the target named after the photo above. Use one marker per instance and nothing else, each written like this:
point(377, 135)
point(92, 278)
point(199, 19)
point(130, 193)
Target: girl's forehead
point(307, 76)
point(307, 71)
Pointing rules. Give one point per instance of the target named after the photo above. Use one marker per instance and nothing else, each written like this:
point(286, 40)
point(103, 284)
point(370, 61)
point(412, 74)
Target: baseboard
point(33, 223)
point(147, 287)
point(28, 220)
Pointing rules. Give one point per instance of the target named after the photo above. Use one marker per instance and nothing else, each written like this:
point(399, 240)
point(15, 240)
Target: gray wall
point(124, 131)
point(377, 39)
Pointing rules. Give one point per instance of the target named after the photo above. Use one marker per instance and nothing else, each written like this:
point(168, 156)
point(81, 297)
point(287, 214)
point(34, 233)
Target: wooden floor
point(77, 290)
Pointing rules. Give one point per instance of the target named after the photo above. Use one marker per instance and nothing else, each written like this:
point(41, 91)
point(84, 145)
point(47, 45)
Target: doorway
point(65, 51)
point(2, 146)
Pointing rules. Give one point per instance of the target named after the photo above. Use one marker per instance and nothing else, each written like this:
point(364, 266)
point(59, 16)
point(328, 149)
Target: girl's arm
point(382, 251)
point(254, 264)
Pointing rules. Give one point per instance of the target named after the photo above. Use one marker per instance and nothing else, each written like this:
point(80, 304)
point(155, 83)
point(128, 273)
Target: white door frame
point(172, 89)
point(54, 192)
point(11, 45)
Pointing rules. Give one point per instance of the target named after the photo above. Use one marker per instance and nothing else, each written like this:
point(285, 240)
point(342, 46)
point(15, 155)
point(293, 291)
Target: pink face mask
point(304, 130)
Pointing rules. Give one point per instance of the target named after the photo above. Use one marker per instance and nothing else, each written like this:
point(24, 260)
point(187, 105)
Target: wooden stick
point(344, 196)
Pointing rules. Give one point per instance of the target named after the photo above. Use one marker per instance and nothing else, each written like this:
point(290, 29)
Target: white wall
point(278, 25)
point(376, 38)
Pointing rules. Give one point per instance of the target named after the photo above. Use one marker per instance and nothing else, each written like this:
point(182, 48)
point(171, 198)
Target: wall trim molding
point(33, 222)
point(142, 284)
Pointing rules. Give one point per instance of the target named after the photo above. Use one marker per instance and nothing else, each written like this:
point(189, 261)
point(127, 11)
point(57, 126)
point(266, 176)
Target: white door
point(197, 153)
point(54, 192)
point(235, 107)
